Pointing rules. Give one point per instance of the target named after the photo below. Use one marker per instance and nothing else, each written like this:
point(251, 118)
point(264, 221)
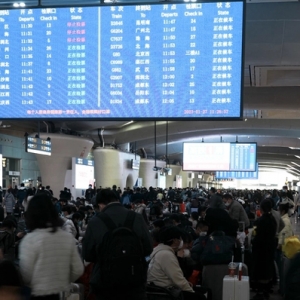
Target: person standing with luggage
point(117, 240)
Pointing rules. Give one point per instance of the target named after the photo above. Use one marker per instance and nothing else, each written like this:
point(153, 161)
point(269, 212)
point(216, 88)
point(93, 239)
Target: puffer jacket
point(9, 202)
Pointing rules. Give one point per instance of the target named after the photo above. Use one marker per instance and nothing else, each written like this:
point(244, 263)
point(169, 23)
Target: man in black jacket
point(93, 238)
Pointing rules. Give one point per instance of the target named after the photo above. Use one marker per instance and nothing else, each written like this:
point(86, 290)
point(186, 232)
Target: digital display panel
point(84, 173)
point(37, 146)
point(159, 61)
point(135, 164)
point(219, 157)
point(237, 175)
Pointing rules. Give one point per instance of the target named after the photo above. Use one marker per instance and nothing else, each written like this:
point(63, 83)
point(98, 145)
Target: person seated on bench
point(164, 269)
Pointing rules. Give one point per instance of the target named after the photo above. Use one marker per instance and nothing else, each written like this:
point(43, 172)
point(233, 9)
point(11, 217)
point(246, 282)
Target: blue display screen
point(243, 157)
point(237, 175)
point(122, 62)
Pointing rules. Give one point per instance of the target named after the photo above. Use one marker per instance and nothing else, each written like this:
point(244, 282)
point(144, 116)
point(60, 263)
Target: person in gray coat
point(236, 210)
point(9, 201)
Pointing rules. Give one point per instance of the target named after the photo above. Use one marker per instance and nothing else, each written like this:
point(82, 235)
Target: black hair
point(195, 215)
point(175, 217)
point(81, 213)
point(76, 216)
point(186, 237)
point(106, 196)
point(73, 209)
point(227, 196)
point(266, 205)
point(284, 207)
point(168, 233)
point(168, 221)
point(283, 194)
point(158, 223)
point(201, 223)
point(41, 213)
point(67, 208)
point(9, 222)
point(155, 235)
point(29, 192)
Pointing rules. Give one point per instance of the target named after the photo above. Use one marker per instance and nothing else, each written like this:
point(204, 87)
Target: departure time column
point(169, 16)
point(26, 23)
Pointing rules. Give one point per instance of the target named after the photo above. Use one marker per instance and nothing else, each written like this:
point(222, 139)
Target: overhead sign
point(158, 61)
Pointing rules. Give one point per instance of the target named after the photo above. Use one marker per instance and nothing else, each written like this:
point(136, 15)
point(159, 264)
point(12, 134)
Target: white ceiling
point(271, 114)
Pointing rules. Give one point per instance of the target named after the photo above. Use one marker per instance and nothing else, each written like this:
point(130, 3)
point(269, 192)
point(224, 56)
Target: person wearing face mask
point(235, 210)
point(200, 242)
point(164, 269)
point(187, 264)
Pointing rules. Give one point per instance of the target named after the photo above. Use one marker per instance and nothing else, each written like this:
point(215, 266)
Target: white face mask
point(203, 233)
point(186, 253)
point(181, 244)
point(227, 204)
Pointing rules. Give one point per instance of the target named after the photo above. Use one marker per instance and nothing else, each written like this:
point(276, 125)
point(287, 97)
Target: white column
point(53, 168)
point(114, 167)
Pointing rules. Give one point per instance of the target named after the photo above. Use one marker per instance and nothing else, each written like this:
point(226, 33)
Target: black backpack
point(6, 241)
point(120, 255)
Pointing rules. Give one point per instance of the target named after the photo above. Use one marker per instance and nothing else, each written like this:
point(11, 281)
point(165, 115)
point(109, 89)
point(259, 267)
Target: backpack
point(126, 199)
point(6, 241)
point(121, 256)
point(218, 249)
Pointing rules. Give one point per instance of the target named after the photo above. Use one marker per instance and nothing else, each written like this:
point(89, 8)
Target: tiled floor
point(296, 226)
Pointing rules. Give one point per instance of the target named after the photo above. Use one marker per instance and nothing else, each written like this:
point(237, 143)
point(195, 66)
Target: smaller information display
point(38, 145)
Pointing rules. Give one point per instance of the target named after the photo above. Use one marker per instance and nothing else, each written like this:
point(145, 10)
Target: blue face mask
point(79, 223)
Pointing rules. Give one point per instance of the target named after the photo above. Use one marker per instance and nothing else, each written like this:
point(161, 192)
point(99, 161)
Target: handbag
point(218, 249)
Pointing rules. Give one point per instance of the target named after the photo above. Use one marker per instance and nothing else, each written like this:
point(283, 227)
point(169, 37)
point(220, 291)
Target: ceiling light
point(128, 123)
point(19, 4)
point(294, 148)
point(297, 156)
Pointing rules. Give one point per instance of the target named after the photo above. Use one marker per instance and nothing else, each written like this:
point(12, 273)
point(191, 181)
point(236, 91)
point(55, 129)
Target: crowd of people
point(51, 241)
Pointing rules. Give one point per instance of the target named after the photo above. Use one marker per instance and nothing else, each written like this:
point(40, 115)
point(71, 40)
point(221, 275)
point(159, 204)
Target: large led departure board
point(219, 157)
point(163, 61)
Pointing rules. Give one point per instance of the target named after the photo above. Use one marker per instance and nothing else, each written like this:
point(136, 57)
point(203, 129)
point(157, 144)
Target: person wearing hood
point(164, 269)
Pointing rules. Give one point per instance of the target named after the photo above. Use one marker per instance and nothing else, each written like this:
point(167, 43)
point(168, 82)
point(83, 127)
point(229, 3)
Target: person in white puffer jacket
point(49, 260)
